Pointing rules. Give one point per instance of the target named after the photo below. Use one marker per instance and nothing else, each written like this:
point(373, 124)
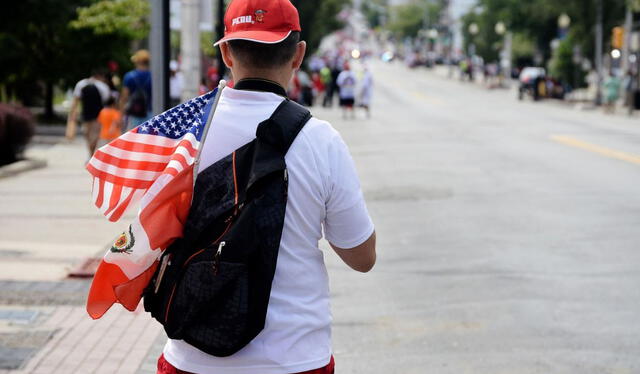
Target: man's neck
point(279, 77)
point(259, 84)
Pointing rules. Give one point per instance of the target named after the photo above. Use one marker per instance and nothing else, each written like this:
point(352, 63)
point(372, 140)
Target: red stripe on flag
point(116, 192)
point(151, 148)
point(129, 164)
point(117, 213)
point(100, 193)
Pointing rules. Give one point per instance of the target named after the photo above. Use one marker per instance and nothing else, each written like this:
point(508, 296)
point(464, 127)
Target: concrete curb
point(21, 166)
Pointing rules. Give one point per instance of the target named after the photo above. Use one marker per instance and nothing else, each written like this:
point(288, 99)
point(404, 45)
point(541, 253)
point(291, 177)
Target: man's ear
point(298, 57)
point(227, 56)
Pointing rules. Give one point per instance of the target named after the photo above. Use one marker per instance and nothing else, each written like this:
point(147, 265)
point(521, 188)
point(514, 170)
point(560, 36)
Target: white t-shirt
point(102, 87)
point(347, 82)
point(324, 191)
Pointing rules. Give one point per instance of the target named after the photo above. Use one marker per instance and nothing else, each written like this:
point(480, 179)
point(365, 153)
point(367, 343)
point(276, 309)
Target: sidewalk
point(48, 226)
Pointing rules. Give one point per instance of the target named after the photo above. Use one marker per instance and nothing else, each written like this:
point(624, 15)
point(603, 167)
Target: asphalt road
point(508, 234)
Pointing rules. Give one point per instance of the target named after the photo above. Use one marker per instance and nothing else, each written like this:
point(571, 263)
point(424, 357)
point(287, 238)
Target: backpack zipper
point(216, 258)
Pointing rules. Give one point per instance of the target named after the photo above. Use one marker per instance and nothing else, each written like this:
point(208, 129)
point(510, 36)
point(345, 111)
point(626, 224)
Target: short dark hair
point(265, 56)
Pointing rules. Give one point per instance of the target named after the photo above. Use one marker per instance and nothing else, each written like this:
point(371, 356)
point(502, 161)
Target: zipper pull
point(216, 258)
point(166, 261)
point(286, 175)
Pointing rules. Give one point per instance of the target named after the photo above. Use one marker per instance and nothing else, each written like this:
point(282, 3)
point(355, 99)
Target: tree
point(318, 18)
point(538, 20)
point(41, 49)
point(127, 18)
point(407, 19)
point(375, 11)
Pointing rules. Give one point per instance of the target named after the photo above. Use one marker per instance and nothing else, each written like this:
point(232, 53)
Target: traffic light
point(617, 37)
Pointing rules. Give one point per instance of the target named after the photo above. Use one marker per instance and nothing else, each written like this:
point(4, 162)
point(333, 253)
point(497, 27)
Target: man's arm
point(71, 119)
point(360, 258)
point(124, 96)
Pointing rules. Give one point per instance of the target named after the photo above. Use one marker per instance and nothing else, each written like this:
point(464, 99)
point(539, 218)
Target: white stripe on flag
point(106, 196)
point(95, 189)
point(175, 164)
point(126, 191)
point(134, 156)
point(158, 139)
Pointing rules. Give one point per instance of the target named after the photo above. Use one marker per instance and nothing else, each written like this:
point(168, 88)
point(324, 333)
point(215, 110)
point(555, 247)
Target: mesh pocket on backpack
point(213, 308)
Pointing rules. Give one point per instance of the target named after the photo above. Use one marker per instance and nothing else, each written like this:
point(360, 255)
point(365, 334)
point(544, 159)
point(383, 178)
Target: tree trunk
point(48, 100)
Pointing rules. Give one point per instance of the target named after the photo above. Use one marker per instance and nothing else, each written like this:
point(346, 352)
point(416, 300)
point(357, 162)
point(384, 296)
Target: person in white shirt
point(176, 83)
point(324, 199)
point(347, 87)
point(366, 91)
point(92, 93)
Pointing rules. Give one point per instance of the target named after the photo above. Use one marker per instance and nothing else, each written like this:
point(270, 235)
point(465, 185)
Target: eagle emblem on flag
point(124, 243)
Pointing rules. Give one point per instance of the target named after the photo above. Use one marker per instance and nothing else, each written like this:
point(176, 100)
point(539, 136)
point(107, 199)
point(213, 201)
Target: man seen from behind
point(262, 49)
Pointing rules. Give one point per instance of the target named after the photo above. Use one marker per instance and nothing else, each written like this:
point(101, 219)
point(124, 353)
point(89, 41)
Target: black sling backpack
point(213, 285)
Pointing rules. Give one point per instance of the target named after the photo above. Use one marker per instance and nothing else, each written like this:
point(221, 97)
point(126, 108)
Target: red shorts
point(164, 367)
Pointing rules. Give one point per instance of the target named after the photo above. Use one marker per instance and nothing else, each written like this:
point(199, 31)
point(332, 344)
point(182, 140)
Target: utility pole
point(159, 46)
point(598, 57)
point(628, 29)
point(219, 35)
point(190, 47)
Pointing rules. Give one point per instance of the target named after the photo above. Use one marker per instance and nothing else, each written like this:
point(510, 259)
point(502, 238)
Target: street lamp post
point(473, 31)
point(564, 21)
point(598, 57)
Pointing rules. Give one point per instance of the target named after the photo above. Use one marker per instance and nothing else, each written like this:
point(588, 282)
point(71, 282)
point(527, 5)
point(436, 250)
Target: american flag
point(166, 144)
point(151, 164)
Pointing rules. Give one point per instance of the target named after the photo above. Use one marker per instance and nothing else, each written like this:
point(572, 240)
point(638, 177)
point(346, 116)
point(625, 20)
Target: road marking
point(428, 98)
point(567, 140)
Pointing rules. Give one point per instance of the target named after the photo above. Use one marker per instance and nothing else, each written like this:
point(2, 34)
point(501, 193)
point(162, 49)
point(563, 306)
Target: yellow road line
point(429, 98)
point(567, 140)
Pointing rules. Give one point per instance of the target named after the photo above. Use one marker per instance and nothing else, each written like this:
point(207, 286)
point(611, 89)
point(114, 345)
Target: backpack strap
point(281, 129)
point(274, 136)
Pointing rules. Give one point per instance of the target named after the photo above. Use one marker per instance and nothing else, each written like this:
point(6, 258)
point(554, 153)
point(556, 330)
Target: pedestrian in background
point(110, 119)
point(176, 83)
point(630, 88)
point(366, 91)
point(92, 93)
point(611, 86)
point(318, 86)
point(135, 99)
point(347, 86)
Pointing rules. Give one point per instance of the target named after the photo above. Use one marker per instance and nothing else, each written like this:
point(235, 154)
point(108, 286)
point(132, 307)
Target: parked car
point(532, 82)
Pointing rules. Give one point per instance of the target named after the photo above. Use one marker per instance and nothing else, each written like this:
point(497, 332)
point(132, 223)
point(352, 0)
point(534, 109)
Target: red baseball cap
point(261, 21)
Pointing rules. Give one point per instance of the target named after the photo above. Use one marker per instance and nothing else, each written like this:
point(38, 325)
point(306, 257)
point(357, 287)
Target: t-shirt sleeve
point(77, 90)
point(129, 81)
point(347, 223)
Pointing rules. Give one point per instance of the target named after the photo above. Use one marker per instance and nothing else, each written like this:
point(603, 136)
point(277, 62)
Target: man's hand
point(72, 125)
point(360, 258)
point(70, 132)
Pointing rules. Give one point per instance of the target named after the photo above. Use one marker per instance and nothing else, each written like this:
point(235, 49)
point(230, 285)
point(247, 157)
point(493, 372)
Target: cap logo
point(260, 15)
point(241, 19)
